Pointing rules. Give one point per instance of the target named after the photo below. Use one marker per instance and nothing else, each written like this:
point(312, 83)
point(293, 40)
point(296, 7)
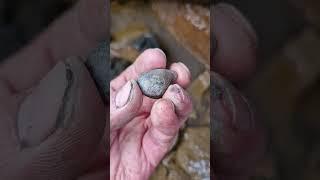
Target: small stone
point(155, 82)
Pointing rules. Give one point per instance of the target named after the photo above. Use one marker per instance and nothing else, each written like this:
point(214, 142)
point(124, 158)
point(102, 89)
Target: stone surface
point(132, 19)
point(199, 91)
point(154, 83)
point(190, 159)
point(189, 24)
point(124, 41)
point(193, 153)
point(129, 45)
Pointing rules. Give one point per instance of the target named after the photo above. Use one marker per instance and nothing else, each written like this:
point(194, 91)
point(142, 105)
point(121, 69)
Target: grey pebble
point(154, 83)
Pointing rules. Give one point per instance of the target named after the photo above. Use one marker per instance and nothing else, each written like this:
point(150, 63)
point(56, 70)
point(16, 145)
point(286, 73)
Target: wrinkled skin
point(143, 129)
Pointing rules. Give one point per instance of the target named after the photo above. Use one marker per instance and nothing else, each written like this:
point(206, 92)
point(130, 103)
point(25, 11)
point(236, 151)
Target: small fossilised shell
point(155, 82)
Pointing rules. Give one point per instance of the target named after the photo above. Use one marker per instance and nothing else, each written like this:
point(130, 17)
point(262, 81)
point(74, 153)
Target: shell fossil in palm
point(154, 83)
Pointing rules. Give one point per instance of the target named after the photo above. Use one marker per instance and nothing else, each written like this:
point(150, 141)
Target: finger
point(75, 33)
point(237, 139)
point(148, 60)
point(234, 55)
point(164, 126)
point(181, 100)
point(166, 117)
point(124, 104)
point(184, 75)
point(60, 125)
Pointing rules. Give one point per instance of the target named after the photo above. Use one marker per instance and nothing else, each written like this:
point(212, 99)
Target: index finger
point(148, 60)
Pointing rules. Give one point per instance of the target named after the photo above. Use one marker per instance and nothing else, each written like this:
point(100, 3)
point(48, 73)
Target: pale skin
point(144, 129)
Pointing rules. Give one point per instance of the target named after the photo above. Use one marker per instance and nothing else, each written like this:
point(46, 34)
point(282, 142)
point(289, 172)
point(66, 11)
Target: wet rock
point(155, 82)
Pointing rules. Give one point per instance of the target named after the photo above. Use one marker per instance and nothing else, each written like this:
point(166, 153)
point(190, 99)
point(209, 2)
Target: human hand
point(237, 140)
point(143, 130)
point(52, 119)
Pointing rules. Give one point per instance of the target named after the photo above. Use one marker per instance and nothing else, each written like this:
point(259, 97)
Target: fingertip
point(151, 59)
point(181, 100)
point(135, 98)
point(183, 72)
point(119, 116)
point(163, 114)
point(163, 105)
point(160, 51)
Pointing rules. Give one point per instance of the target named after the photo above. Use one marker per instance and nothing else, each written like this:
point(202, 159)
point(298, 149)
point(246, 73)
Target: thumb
point(124, 104)
point(60, 125)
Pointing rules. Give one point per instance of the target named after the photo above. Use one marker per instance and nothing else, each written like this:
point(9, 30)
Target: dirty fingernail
point(123, 96)
point(176, 93)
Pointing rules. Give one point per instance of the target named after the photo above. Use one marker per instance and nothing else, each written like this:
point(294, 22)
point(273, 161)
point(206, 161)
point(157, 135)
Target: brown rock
point(189, 24)
point(170, 169)
point(193, 154)
point(199, 91)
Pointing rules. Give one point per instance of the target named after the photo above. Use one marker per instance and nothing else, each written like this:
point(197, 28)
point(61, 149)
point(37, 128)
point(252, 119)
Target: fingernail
point(177, 93)
point(160, 50)
point(184, 66)
point(123, 96)
point(229, 106)
point(180, 99)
